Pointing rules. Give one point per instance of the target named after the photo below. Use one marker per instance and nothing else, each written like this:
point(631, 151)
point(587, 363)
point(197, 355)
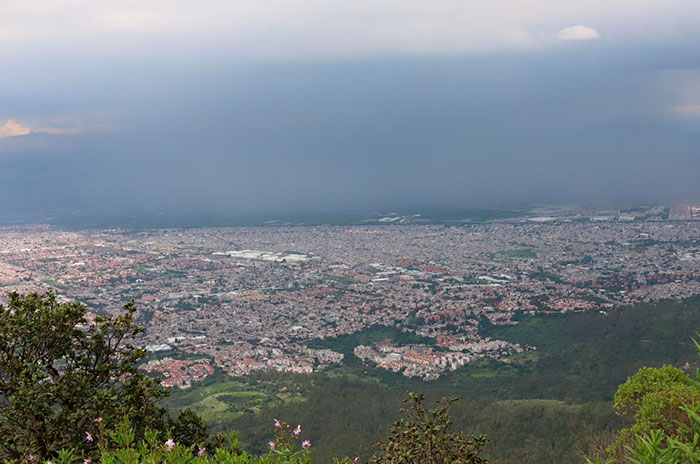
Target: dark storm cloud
point(583, 123)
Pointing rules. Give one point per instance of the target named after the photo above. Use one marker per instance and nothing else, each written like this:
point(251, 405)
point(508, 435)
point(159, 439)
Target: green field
point(221, 399)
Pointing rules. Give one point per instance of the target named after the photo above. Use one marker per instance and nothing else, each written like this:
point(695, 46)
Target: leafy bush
point(665, 404)
point(59, 370)
point(120, 446)
point(658, 447)
point(421, 437)
point(655, 398)
point(424, 436)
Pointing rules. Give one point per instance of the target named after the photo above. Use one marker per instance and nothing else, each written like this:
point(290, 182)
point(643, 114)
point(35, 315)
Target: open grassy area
point(220, 399)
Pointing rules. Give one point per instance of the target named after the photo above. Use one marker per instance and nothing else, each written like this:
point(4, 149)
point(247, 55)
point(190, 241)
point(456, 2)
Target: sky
point(273, 106)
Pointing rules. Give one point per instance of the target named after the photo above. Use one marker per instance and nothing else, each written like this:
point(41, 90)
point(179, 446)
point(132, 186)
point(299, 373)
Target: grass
point(523, 358)
point(221, 399)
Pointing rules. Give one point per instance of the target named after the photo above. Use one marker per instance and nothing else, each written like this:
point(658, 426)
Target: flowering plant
point(119, 446)
point(288, 446)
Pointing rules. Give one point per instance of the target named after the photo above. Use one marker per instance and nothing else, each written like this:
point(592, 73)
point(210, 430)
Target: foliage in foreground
point(120, 447)
point(422, 436)
point(665, 404)
point(659, 447)
point(59, 370)
point(63, 376)
point(425, 436)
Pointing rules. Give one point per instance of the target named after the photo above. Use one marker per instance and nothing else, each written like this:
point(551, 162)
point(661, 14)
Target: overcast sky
point(346, 106)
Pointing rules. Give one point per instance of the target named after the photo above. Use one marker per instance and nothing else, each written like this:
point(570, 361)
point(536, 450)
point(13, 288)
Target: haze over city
point(299, 231)
point(346, 107)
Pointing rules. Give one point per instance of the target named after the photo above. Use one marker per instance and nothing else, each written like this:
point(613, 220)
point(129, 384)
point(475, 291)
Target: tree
point(60, 373)
point(189, 429)
point(425, 436)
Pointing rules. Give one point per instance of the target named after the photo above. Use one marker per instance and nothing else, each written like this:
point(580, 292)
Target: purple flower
point(297, 430)
point(277, 423)
point(169, 445)
point(201, 451)
point(306, 444)
point(88, 436)
point(98, 420)
point(271, 444)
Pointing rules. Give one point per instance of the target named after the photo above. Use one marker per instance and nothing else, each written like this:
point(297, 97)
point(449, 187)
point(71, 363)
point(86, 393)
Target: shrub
point(424, 436)
point(655, 398)
point(665, 404)
point(119, 446)
point(59, 371)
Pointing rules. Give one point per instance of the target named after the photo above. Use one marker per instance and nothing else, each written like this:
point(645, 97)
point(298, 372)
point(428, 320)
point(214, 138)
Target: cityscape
point(248, 299)
point(349, 232)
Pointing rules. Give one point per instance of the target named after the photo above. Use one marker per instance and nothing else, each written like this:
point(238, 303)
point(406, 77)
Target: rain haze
point(236, 107)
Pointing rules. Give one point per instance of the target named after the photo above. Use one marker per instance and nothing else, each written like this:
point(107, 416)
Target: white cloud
point(283, 29)
point(12, 128)
point(578, 32)
point(58, 125)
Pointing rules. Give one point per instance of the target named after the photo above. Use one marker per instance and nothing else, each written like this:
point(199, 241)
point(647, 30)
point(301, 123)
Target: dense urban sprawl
point(251, 298)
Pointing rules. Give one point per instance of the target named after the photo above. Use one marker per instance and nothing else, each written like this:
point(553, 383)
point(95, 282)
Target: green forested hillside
point(537, 407)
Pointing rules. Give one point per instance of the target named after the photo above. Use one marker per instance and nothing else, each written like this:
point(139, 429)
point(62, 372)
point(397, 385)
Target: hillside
point(537, 407)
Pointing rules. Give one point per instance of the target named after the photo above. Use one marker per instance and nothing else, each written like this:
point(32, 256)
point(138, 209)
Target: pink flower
point(49, 462)
point(98, 420)
point(169, 445)
point(86, 461)
point(88, 437)
point(297, 430)
point(271, 444)
point(31, 458)
point(201, 451)
point(277, 423)
point(306, 444)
